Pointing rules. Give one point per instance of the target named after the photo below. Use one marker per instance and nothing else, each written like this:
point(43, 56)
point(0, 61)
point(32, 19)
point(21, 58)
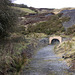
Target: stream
point(46, 62)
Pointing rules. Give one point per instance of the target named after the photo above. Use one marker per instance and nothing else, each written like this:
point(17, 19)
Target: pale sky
point(47, 3)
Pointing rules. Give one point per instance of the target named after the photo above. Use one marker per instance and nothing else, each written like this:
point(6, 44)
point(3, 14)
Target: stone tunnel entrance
point(55, 39)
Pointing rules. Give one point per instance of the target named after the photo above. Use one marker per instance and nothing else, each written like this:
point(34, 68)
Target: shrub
point(52, 26)
point(70, 30)
point(8, 17)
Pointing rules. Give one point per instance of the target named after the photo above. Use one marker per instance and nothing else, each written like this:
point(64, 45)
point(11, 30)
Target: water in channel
point(46, 62)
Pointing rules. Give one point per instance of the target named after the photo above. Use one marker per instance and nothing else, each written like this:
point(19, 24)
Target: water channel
point(46, 62)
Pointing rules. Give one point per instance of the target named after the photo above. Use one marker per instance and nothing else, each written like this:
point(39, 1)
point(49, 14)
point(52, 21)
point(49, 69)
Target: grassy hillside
point(52, 26)
point(17, 49)
point(24, 9)
point(71, 30)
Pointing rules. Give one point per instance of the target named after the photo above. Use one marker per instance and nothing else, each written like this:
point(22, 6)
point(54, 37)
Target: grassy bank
point(67, 51)
point(16, 51)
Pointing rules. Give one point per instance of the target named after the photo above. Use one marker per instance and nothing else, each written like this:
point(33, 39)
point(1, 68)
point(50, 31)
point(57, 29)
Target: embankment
point(16, 53)
point(67, 51)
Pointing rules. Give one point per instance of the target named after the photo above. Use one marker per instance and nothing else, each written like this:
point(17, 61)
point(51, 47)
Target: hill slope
point(71, 14)
point(24, 9)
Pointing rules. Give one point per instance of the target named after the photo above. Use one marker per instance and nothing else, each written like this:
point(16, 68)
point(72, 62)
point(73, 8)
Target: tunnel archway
point(55, 41)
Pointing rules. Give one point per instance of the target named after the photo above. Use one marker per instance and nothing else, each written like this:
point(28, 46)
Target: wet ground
point(46, 62)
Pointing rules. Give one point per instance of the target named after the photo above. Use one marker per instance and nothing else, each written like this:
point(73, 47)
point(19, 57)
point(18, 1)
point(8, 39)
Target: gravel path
point(46, 62)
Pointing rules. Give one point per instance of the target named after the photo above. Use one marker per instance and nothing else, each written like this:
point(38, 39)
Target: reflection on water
point(45, 62)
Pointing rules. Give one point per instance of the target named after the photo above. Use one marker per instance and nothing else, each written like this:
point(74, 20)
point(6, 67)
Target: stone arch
point(54, 41)
point(55, 37)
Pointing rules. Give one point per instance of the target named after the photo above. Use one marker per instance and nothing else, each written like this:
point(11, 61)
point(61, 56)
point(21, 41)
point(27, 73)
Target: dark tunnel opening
point(55, 41)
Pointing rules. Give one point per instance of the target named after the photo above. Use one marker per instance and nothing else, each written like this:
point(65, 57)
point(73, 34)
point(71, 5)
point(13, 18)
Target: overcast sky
point(47, 3)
